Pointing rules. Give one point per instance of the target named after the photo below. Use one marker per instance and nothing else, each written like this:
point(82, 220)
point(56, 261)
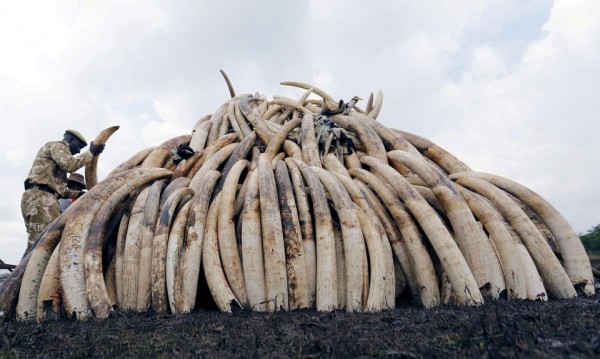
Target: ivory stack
point(295, 203)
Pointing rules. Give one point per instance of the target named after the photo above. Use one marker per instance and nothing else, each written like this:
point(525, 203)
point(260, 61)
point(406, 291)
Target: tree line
point(591, 240)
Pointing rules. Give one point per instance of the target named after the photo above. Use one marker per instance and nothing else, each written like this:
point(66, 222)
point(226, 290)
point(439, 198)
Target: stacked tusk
point(291, 204)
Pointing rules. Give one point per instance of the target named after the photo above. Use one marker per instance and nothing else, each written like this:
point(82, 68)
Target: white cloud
point(34, 48)
point(536, 120)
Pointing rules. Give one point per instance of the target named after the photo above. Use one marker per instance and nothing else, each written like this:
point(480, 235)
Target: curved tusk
point(352, 234)
point(252, 247)
point(213, 269)
point(272, 233)
point(75, 235)
point(131, 253)
point(212, 163)
point(506, 248)
point(417, 257)
point(193, 164)
point(447, 161)
point(326, 289)
point(297, 276)
point(229, 85)
point(376, 105)
point(554, 276)
point(150, 216)
point(95, 287)
point(186, 279)
point(260, 125)
point(200, 136)
point(91, 169)
point(575, 260)
point(316, 90)
point(161, 154)
point(133, 161)
point(279, 137)
point(228, 243)
point(472, 241)
point(174, 246)
point(306, 228)
point(119, 253)
point(367, 135)
point(453, 261)
point(159, 247)
point(49, 291)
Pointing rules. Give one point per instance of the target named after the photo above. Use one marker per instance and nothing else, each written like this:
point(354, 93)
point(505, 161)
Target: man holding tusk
point(47, 181)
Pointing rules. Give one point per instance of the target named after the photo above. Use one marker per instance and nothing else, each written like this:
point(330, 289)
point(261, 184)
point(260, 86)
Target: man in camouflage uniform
point(47, 180)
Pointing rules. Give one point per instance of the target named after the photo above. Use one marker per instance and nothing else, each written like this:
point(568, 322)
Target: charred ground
point(500, 329)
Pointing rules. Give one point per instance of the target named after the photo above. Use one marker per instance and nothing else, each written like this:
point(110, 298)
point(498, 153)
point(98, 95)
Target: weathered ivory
point(270, 218)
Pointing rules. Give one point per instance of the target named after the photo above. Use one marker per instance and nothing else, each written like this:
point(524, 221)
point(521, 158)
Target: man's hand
point(96, 149)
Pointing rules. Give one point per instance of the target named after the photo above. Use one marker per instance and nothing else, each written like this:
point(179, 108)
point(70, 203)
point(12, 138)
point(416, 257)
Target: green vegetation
point(591, 240)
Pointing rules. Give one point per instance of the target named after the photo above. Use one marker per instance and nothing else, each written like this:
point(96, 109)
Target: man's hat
point(78, 136)
point(78, 178)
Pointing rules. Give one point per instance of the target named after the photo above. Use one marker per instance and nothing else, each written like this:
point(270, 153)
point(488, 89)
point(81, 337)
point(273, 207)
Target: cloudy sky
point(510, 87)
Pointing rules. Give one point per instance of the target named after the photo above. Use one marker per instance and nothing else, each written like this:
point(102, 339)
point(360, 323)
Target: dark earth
point(557, 328)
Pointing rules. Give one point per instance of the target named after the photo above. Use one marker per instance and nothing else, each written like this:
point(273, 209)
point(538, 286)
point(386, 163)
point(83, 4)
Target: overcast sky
point(510, 87)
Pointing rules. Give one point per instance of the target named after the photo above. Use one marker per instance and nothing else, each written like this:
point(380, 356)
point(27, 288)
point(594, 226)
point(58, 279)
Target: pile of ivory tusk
point(296, 203)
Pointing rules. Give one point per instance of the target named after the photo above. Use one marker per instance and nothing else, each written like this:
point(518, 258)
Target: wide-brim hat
point(78, 135)
point(78, 178)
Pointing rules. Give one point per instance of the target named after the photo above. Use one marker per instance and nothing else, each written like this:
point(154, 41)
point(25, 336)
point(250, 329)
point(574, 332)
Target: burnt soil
point(557, 328)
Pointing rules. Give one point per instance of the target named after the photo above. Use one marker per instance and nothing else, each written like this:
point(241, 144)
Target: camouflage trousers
point(39, 208)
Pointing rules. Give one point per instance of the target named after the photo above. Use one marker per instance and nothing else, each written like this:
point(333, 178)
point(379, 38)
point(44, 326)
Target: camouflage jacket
point(51, 165)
